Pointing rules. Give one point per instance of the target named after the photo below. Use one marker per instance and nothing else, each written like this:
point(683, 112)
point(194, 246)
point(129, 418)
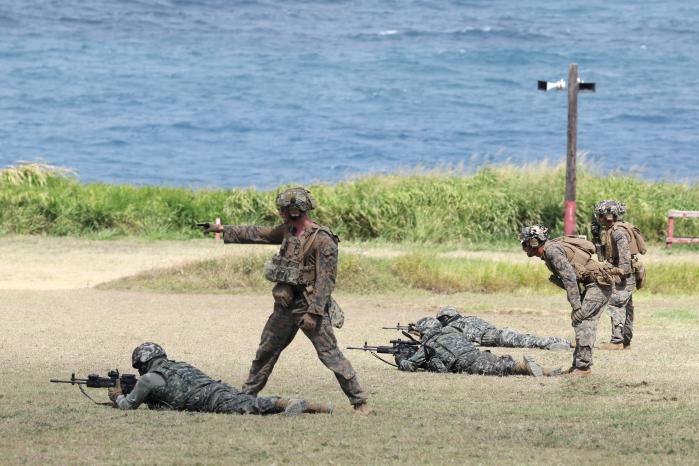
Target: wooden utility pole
point(572, 147)
point(574, 86)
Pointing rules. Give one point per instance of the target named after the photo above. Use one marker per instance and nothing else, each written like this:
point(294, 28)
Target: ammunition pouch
point(639, 271)
point(289, 271)
point(283, 294)
point(603, 275)
point(336, 314)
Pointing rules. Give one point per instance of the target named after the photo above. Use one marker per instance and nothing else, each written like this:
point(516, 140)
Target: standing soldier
point(569, 259)
point(618, 246)
point(304, 272)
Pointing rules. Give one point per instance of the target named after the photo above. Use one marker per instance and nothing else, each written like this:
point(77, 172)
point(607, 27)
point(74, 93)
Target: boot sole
point(533, 367)
point(296, 407)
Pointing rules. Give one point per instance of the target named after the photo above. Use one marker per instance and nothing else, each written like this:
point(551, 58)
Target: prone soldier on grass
point(486, 334)
point(573, 269)
point(619, 245)
point(304, 273)
point(446, 349)
point(168, 384)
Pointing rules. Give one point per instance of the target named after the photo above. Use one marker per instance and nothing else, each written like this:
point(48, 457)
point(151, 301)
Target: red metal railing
point(671, 216)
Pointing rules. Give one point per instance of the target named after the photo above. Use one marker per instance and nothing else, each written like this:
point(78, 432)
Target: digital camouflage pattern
point(146, 352)
point(448, 350)
point(484, 333)
point(187, 388)
point(316, 250)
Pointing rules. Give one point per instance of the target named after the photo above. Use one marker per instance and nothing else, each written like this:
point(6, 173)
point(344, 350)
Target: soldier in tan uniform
point(619, 244)
point(304, 272)
point(588, 284)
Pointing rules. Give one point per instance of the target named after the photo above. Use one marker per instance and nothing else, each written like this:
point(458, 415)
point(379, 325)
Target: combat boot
point(551, 372)
point(577, 372)
point(528, 367)
point(363, 409)
point(612, 346)
point(559, 346)
point(627, 345)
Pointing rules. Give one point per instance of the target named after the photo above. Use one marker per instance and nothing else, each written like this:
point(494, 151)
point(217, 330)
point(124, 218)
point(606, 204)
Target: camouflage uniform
point(448, 350)
point(586, 307)
point(615, 248)
point(484, 333)
point(317, 254)
point(168, 384)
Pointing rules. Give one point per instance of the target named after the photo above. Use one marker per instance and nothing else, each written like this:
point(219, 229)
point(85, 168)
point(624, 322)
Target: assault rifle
point(404, 348)
point(398, 326)
point(126, 381)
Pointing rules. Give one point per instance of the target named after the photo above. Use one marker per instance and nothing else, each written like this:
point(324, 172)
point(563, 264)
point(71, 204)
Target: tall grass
point(441, 206)
point(418, 271)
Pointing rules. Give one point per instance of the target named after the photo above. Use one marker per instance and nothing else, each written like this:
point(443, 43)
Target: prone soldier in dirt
point(168, 384)
point(619, 245)
point(304, 272)
point(573, 269)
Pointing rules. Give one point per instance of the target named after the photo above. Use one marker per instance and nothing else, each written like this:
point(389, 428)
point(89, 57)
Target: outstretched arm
point(249, 234)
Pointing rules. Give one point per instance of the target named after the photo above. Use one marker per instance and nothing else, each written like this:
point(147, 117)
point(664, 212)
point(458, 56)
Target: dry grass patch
point(640, 406)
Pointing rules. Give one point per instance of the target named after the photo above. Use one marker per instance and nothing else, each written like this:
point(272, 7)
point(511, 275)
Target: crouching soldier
point(448, 350)
point(168, 384)
point(570, 261)
point(486, 334)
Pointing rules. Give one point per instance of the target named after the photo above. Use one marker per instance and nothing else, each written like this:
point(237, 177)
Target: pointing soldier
point(304, 272)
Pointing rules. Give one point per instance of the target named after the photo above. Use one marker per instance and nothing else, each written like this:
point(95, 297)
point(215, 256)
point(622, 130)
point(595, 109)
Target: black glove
point(596, 230)
point(210, 227)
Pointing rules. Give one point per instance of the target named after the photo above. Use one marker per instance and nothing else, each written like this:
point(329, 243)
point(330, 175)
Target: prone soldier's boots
point(528, 367)
point(294, 406)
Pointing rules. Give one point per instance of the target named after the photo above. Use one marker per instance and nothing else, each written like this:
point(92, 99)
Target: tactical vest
point(182, 382)
point(579, 253)
point(637, 244)
point(289, 266)
point(450, 348)
point(471, 326)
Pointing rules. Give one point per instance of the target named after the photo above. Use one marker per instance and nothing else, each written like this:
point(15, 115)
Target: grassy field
point(640, 406)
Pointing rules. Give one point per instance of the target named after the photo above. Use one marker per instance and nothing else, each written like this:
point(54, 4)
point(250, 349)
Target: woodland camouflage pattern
point(313, 298)
point(615, 248)
point(587, 307)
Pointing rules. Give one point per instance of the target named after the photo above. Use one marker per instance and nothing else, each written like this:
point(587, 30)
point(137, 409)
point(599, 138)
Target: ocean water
point(257, 93)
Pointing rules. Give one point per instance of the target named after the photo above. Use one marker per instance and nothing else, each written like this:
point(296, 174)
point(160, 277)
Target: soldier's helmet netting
point(427, 326)
point(610, 206)
point(146, 352)
point(534, 235)
point(447, 312)
point(299, 198)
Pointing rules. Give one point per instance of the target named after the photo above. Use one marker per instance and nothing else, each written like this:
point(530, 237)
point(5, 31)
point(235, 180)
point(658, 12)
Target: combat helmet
point(446, 312)
point(427, 326)
point(534, 236)
point(610, 209)
point(146, 352)
point(299, 198)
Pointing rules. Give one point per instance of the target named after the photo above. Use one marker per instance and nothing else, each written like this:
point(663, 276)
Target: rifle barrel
point(76, 381)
